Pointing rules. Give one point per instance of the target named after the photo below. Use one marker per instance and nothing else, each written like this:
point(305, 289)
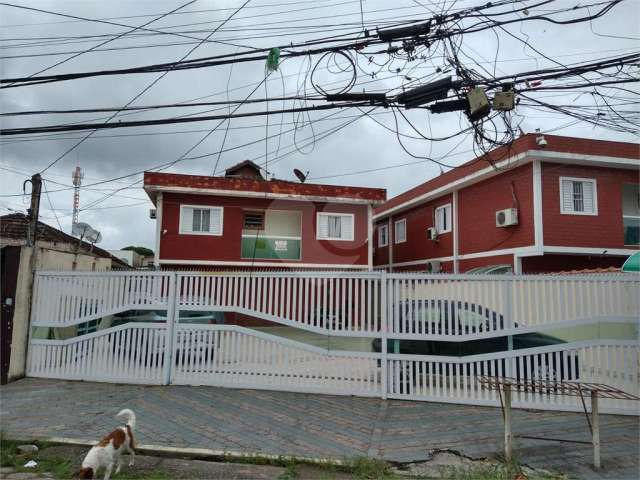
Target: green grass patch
point(363, 468)
point(290, 473)
point(495, 471)
point(59, 467)
point(10, 457)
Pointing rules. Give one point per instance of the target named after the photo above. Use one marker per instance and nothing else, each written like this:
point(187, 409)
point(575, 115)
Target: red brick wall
point(418, 246)
point(559, 263)
point(445, 267)
point(466, 265)
point(227, 247)
point(601, 231)
point(380, 254)
point(477, 206)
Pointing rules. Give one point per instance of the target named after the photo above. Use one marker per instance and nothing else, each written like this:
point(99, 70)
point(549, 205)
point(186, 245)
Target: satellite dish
point(85, 232)
point(301, 176)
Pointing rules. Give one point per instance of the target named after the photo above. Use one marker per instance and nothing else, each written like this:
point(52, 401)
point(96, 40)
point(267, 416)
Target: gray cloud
point(363, 145)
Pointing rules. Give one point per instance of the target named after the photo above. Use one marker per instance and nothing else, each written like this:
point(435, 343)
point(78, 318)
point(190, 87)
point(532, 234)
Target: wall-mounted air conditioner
point(507, 217)
point(152, 213)
point(432, 233)
point(434, 266)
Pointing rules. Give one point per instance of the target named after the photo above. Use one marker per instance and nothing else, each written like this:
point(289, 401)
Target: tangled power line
point(419, 51)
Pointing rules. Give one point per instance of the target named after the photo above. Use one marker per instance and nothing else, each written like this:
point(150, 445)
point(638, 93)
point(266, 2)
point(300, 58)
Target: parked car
point(150, 351)
point(472, 318)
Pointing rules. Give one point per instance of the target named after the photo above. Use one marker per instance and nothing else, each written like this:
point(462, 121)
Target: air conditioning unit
point(434, 266)
point(152, 213)
point(432, 233)
point(507, 217)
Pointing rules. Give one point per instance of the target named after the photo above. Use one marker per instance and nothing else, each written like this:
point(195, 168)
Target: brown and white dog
point(108, 452)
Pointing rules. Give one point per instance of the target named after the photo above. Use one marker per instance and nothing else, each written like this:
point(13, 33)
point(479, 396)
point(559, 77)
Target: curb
point(206, 454)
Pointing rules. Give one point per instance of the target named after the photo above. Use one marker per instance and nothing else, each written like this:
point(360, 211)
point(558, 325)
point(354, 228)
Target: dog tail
point(130, 416)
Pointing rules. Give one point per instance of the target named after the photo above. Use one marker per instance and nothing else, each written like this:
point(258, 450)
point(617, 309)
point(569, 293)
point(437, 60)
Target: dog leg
point(133, 456)
point(107, 472)
point(118, 466)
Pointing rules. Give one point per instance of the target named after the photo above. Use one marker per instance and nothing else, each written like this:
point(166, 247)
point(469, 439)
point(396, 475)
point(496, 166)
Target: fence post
point(384, 324)
point(172, 310)
point(509, 323)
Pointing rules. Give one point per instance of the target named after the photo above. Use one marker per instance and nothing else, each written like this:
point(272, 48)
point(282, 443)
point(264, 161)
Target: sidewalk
point(280, 423)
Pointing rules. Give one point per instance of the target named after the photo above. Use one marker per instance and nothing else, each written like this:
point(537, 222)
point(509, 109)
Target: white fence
point(395, 309)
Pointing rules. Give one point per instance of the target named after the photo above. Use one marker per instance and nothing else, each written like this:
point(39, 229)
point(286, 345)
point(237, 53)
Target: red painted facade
point(604, 230)
point(482, 190)
point(477, 206)
point(225, 250)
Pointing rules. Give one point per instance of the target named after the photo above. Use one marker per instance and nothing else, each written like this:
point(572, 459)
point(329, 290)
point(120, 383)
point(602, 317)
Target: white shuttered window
point(578, 196)
point(443, 218)
point(200, 220)
point(383, 236)
point(401, 231)
point(335, 226)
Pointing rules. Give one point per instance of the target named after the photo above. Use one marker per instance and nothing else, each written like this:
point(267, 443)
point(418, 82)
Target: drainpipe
point(456, 238)
point(370, 237)
point(390, 242)
point(156, 258)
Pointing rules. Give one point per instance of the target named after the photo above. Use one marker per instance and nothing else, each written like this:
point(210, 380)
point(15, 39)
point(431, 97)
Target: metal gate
point(81, 330)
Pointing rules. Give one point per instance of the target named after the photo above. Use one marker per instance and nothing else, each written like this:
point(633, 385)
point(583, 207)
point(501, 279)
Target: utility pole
point(33, 215)
point(34, 209)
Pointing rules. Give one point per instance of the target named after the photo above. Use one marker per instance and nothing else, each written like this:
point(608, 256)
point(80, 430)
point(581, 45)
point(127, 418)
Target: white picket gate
point(392, 308)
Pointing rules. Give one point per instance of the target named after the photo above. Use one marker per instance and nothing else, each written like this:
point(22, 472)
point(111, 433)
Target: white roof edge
point(245, 193)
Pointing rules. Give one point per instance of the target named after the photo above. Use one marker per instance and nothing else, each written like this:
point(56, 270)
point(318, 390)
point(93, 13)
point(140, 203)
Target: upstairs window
point(578, 196)
point(383, 236)
point(443, 218)
point(254, 220)
point(631, 213)
point(401, 231)
point(335, 226)
point(200, 220)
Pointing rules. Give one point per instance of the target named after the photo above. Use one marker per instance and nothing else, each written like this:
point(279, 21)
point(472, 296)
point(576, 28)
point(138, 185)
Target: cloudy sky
point(32, 41)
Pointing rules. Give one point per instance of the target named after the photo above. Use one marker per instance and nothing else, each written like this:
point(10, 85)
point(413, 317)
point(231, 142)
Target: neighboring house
point(242, 221)
point(147, 261)
point(130, 257)
point(541, 204)
point(55, 251)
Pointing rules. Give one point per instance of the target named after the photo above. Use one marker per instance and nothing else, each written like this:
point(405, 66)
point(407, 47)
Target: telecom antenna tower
point(77, 177)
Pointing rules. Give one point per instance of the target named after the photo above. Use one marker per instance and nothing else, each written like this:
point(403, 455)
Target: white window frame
point(594, 213)
point(319, 215)
point(444, 207)
point(201, 207)
point(384, 228)
point(627, 216)
point(395, 231)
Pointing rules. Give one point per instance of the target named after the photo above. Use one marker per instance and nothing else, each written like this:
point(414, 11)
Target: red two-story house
point(243, 221)
point(542, 204)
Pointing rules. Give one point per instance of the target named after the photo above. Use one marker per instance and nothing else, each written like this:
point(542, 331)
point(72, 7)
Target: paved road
point(311, 425)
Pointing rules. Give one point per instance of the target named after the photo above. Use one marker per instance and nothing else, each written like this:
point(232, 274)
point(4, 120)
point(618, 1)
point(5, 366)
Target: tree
point(144, 251)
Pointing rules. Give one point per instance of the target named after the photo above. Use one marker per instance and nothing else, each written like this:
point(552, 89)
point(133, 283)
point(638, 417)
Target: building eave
point(153, 189)
point(512, 162)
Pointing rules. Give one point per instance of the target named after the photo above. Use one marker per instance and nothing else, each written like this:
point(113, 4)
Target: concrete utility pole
point(34, 209)
point(33, 215)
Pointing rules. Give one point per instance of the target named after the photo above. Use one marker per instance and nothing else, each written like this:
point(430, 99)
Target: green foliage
point(291, 471)
point(10, 457)
point(144, 251)
point(494, 471)
point(364, 468)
